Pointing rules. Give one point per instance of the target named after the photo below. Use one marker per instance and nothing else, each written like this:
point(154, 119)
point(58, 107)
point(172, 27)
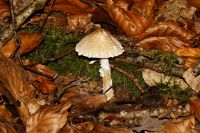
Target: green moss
point(57, 43)
point(167, 60)
point(174, 91)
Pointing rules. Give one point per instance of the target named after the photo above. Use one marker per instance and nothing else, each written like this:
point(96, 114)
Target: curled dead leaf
point(72, 7)
point(169, 29)
point(194, 105)
point(14, 79)
point(167, 44)
point(4, 128)
point(188, 52)
point(50, 119)
point(130, 22)
point(41, 83)
point(78, 22)
point(195, 3)
point(4, 10)
point(29, 41)
point(190, 62)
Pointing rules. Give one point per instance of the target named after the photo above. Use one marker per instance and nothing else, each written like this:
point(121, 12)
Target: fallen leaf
point(190, 62)
point(191, 80)
point(174, 10)
point(42, 83)
point(50, 119)
point(29, 41)
point(4, 10)
point(185, 125)
point(5, 115)
point(169, 29)
point(166, 44)
point(195, 3)
point(152, 78)
point(130, 22)
point(4, 128)
point(78, 22)
point(188, 52)
point(46, 71)
point(72, 7)
point(194, 105)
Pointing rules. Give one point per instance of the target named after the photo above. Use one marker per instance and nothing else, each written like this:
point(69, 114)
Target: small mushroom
point(101, 44)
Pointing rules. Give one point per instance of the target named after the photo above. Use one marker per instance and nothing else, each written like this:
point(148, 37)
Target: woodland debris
point(50, 119)
point(20, 19)
point(102, 45)
point(28, 42)
point(132, 22)
point(145, 63)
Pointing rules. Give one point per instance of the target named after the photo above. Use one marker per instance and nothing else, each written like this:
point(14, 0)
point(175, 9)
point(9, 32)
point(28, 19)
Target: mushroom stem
point(105, 73)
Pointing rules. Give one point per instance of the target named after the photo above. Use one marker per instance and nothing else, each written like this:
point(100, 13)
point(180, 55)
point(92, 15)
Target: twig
point(145, 63)
point(129, 75)
point(52, 59)
point(45, 20)
point(20, 19)
point(16, 38)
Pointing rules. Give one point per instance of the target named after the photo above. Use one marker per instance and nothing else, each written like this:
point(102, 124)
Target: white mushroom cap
point(99, 44)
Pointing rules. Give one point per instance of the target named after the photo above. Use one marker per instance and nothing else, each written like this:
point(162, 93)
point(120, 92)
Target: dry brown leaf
point(195, 107)
point(50, 119)
point(15, 86)
point(4, 128)
point(144, 7)
point(191, 80)
point(77, 3)
point(103, 129)
point(185, 125)
point(169, 29)
point(175, 10)
point(29, 41)
point(188, 52)
point(4, 10)
point(46, 71)
point(41, 83)
point(72, 7)
point(78, 22)
point(130, 22)
point(14, 79)
point(5, 115)
point(167, 44)
point(84, 103)
point(190, 62)
point(195, 3)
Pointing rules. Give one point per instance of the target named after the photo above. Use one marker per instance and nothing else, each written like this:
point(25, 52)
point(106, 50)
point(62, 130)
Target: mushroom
point(101, 44)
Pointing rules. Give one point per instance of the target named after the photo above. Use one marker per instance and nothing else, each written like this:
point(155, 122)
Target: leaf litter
point(36, 98)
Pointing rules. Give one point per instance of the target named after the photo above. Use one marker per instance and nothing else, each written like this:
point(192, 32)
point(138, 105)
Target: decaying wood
point(134, 118)
point(20, 19)
point(145, 63)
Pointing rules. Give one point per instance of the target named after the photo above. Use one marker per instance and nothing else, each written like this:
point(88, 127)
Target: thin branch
point(145, 63)
point(130, 76)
